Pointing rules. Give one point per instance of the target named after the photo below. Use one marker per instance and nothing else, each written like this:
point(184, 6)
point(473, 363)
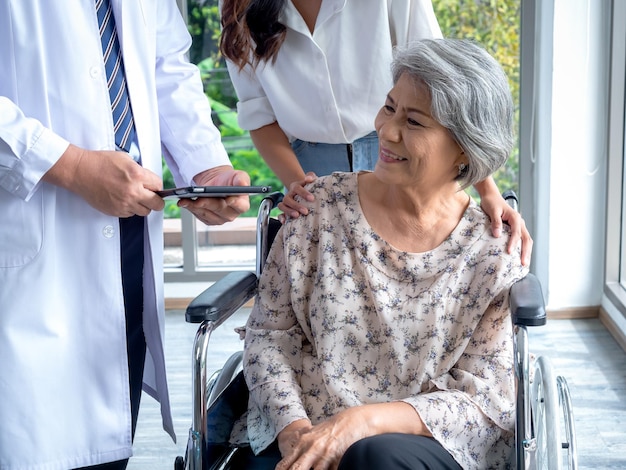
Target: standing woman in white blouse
point(310, 76)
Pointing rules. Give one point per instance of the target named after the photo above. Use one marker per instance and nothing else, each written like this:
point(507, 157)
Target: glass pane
point(622, 248)
point(172, 241)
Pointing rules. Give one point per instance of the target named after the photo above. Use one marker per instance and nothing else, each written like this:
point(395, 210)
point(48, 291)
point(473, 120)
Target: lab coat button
point(108, 231)
point(94, 72)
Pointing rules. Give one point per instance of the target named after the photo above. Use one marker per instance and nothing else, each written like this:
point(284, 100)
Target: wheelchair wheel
point(569, 444)
point(553, 420)
point(546, 425)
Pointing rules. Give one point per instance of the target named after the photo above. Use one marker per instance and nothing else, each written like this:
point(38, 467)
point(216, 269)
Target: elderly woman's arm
point(272, 354)
point(467, 411)
point(322, 446)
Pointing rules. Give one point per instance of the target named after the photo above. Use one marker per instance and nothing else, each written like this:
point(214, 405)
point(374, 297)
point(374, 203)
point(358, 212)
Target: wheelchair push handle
point(511, 198)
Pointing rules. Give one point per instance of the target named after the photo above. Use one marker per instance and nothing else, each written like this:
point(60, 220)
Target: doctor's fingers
point(140, 202)
point(217, 211)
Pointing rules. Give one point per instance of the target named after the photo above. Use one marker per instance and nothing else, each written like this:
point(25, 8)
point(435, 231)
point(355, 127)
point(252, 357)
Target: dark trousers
point(244, 459)
point(131, 235)
point(397, 452)
point(383, 452)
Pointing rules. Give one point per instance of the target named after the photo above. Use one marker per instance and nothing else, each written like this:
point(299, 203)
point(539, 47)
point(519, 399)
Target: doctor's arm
point(216, 211)
point(191, 143)
point(109, 181)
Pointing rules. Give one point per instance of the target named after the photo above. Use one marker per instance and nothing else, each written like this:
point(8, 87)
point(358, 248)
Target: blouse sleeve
point(272, 354)
point(412, 20)
point(254, 109)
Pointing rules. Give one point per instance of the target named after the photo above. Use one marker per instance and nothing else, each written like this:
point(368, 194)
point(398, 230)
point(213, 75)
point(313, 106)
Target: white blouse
point(327, 86)
point(344, 319)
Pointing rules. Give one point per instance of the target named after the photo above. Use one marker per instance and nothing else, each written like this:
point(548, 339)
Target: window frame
point(615, 255)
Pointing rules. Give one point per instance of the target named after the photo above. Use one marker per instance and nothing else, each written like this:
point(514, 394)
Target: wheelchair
point(544, 430)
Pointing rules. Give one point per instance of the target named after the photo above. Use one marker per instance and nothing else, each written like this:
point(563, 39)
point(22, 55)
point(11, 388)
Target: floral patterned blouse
point(343, 319)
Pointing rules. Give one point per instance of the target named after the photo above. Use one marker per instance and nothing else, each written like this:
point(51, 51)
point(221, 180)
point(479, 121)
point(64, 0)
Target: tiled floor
point(582, 351)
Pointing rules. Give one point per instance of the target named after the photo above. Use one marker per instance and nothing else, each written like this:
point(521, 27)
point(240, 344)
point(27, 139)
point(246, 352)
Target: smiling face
point(415, 150)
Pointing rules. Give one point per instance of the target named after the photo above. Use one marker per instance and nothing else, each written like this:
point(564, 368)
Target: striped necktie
point(120, 104)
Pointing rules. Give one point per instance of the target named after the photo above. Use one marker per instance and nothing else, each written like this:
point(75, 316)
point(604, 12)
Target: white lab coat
point(63, 365)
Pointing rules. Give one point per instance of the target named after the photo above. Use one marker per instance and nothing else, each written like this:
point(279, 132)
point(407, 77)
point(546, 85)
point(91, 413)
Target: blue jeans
point(323, 159)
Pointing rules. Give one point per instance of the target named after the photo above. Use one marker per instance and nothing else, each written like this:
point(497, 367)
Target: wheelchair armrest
point(526, 302)
point(223, 298)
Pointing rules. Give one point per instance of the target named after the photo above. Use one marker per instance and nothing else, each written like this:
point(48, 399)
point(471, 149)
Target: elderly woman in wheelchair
point(381, 333)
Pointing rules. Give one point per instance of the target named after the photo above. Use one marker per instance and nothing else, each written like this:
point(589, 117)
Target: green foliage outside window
point(492, 23)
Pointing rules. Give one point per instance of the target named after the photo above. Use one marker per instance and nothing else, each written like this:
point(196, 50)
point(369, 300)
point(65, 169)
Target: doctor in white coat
point(64, 374)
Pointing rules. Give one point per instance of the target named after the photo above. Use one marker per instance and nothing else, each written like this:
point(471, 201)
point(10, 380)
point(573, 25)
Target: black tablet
point(212, 191)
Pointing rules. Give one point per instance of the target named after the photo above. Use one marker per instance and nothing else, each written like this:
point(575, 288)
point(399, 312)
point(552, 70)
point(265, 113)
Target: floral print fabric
point(342, 319)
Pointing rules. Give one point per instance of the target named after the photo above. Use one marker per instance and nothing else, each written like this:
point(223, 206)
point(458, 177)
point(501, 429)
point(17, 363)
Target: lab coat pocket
point(21, 230)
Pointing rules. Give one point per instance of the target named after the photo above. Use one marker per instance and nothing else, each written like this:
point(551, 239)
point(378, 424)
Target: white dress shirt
point(327, 86)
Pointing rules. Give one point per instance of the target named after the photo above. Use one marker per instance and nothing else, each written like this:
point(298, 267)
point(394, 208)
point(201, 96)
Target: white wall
point(578, 155)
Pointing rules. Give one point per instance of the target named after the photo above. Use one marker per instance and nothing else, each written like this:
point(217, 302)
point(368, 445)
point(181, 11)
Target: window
point(615, 289)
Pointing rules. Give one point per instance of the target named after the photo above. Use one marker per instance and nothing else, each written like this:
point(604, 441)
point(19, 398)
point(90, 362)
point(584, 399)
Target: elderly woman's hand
point(289, 205)
point(289, 437)
point(322, 446)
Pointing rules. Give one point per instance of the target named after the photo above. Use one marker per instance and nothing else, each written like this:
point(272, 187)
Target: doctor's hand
point(213, 210)
point(111, 182)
